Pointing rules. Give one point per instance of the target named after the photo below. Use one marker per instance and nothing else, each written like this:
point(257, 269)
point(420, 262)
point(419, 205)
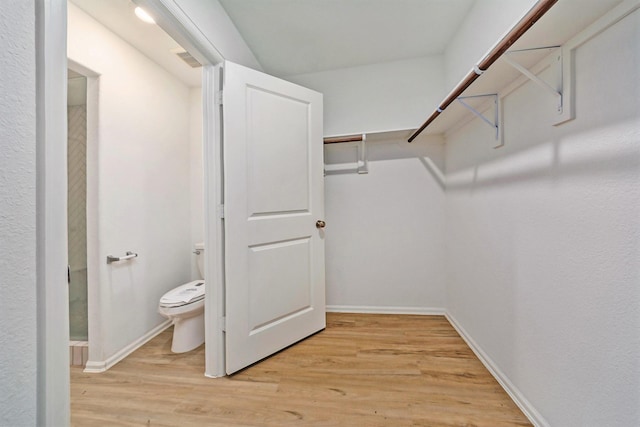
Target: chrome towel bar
point(129, 255)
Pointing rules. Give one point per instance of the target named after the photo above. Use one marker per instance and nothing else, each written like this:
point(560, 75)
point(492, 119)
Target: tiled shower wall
point(77, 224)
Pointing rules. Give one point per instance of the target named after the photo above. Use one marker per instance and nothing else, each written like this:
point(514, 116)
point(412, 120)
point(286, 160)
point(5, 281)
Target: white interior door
point(274, 196)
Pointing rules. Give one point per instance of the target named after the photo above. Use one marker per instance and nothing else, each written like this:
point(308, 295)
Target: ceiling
point(301, 36)
point(151, 40)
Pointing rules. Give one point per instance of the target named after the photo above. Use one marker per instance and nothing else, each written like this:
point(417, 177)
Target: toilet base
point(188, 333)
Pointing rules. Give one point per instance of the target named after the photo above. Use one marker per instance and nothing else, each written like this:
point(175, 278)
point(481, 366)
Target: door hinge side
point(219, 97)
point(223, 324)
point(221, 211)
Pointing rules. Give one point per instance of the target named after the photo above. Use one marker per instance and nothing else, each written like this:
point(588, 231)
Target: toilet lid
point(183, 294)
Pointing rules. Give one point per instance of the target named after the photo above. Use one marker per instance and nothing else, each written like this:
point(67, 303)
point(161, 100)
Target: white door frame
point(94, 312)
point(51, 185)
point(52, 292)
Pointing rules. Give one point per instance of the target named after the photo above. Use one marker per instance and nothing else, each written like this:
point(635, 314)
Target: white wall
point(143, 184)
point(18, 310)
point(196, 173)
point(211, 18)
point(378, 97)
point(484, 25)
point(543, 239)
point(385, 229)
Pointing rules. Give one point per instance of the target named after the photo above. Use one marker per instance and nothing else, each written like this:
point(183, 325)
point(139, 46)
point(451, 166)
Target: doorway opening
point(77, 276)
point(144, 182)
point(52, 286)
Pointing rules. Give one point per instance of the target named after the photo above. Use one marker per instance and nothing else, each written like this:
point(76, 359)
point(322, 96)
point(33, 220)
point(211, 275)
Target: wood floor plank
point(363, 370)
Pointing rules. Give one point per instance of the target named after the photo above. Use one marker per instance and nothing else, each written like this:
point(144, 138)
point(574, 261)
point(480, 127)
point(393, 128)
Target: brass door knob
point(320, 223)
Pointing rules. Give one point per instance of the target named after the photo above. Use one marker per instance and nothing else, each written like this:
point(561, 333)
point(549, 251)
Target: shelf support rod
point(494, 124)
point(535, 13)
point(341, 139)
point(537, 80)
point(361, 164)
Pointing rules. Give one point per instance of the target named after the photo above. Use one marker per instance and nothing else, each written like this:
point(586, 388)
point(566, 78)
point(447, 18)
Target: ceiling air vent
point(186, 57)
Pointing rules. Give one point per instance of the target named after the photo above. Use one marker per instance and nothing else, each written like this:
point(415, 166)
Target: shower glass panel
point(77, 204)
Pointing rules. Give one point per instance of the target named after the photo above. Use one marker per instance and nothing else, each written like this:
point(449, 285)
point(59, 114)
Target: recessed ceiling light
point(144, 16)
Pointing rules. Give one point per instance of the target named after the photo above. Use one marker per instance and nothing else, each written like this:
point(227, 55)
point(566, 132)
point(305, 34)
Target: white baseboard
point(78, 353)
point(525, 406)
point(101, 366)
point(385, 310)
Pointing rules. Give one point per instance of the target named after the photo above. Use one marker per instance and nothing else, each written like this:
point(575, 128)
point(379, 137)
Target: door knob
point(320, 223)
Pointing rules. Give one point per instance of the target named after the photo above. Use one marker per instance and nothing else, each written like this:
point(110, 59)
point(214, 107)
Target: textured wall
point(543, 239)
point(17, 214)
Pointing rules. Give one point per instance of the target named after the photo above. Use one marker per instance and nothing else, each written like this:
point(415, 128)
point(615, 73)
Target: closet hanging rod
point(536, 12)
point(339, 139)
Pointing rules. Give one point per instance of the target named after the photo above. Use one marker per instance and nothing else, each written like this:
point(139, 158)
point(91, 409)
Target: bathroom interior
point(135, 185)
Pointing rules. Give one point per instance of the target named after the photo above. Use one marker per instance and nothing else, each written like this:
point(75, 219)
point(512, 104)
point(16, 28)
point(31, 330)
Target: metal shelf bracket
point(360, 165)
point(495, 122)
point(363, 164)
point(556, 62)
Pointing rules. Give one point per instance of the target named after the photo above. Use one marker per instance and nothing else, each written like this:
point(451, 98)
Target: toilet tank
point(200, 258)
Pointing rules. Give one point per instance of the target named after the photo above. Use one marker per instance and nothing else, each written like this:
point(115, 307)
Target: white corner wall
point(385, 230)
point(18, 310)
point(486, 22)
point(379, 97)
point(143, 186)
point(543, 239)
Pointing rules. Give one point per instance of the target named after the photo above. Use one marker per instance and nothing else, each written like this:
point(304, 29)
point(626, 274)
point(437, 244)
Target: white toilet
point(184, 306)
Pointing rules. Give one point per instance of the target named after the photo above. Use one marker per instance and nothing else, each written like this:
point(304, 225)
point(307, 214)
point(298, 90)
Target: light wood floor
point(363, 370)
